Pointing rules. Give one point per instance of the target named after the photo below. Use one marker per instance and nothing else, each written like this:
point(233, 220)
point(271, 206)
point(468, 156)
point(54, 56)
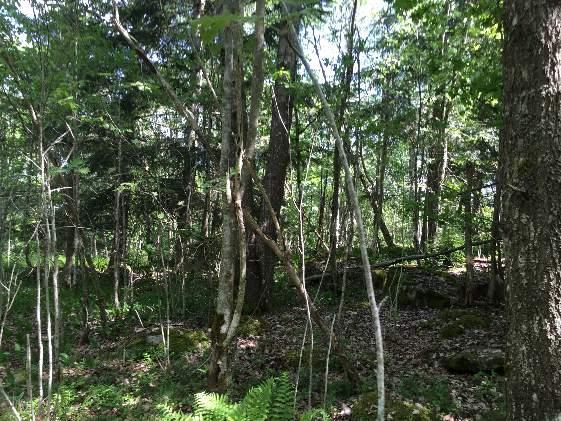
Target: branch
point(284, 257)
point(179, 106)
point(401, 259)
point(358, 217)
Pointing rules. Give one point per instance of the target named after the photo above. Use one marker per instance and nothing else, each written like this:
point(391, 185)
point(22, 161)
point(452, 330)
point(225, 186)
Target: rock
point(460, 320)
point(451, 330)
point(400, 410)
point(421, 297)
point(474, 361)
point(154, 339)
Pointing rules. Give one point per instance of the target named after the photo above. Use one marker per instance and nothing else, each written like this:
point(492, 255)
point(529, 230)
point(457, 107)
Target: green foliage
point(251, 326)
point(100, 263)
point(103, 397)
point(315, 414)
point(271, 400)
point(214, 407)
point(210, 26)
point(433, 390)
point(365, 409)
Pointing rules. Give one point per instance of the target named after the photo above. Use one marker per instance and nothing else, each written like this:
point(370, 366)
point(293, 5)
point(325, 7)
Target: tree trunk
point(530, 164)
point(436, 170)
point(321, 211)
point(414, 195)
point(496, 281)
point(234, 148)
point(468, 231)
point(335, 205)
point(278, 158)
point(378, 216)
point(219, 358)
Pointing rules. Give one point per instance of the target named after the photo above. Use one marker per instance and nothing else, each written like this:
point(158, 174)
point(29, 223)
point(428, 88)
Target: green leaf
point(210, 26)
point(402, 6)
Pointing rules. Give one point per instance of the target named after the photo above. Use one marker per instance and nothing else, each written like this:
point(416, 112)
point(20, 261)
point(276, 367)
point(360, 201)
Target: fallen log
point(401, 259)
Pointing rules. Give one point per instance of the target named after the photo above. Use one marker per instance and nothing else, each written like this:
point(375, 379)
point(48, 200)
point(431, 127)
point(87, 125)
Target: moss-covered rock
point(188, 341)
point(417, 297)
point(451, 330)
point(458, 321)
point(251, 326)
point(469, 318)
point(379, 278)
point(474, 361)
point(367, 405)
point(180, 341)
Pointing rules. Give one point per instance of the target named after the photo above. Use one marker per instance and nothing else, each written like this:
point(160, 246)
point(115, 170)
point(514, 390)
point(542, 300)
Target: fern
point(315, 414)
point(256, 403)
point(281, 402)
point(214, 407)
point(269, 401)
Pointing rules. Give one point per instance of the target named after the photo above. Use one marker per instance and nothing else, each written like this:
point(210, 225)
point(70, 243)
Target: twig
point(12, 407)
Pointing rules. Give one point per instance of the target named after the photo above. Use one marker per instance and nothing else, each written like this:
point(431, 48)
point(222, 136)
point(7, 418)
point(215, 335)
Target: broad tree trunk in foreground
point(531, 164)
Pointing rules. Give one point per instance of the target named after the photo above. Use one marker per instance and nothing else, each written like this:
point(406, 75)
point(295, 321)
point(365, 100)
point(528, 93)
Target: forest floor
point(443, 361)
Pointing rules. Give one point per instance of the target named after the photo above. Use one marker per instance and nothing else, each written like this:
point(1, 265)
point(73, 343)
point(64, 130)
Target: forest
point(280, 210)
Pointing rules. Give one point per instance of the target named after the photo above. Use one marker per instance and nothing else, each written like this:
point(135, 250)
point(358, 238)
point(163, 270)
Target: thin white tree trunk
point(360, 226)
point(39, 324)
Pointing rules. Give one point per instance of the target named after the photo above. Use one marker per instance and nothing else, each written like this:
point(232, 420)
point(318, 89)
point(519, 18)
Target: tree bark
point(530, 163)
point(345, 92)
point(436, 170)
point(233, 254)
point(278, 158)
point(495, 283)
point(468, 233)
point(353, 198)
point(219, 358)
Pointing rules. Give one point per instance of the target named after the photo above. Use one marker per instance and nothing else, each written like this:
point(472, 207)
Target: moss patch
point(251, 326)
point(451, 330)
point(461, 320)
point(367, 405)
point(464, 362)
point(292, 357)
point(188, 341)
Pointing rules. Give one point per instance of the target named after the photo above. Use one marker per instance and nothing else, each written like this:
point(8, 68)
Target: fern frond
point(316, 414)
point(256, 405)
point(281, 403)
point(214, 407)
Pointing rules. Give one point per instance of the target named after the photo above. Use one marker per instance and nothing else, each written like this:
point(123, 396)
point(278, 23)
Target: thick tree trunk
point(414, 195)
point(531, 162)
point(278, 158)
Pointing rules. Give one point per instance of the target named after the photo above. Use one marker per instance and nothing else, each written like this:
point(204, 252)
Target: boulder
point(475, 360)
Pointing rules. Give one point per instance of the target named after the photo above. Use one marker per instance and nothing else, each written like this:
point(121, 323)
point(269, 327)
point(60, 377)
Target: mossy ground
point(458, 321)
point(396, 409)
point(120, 375)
